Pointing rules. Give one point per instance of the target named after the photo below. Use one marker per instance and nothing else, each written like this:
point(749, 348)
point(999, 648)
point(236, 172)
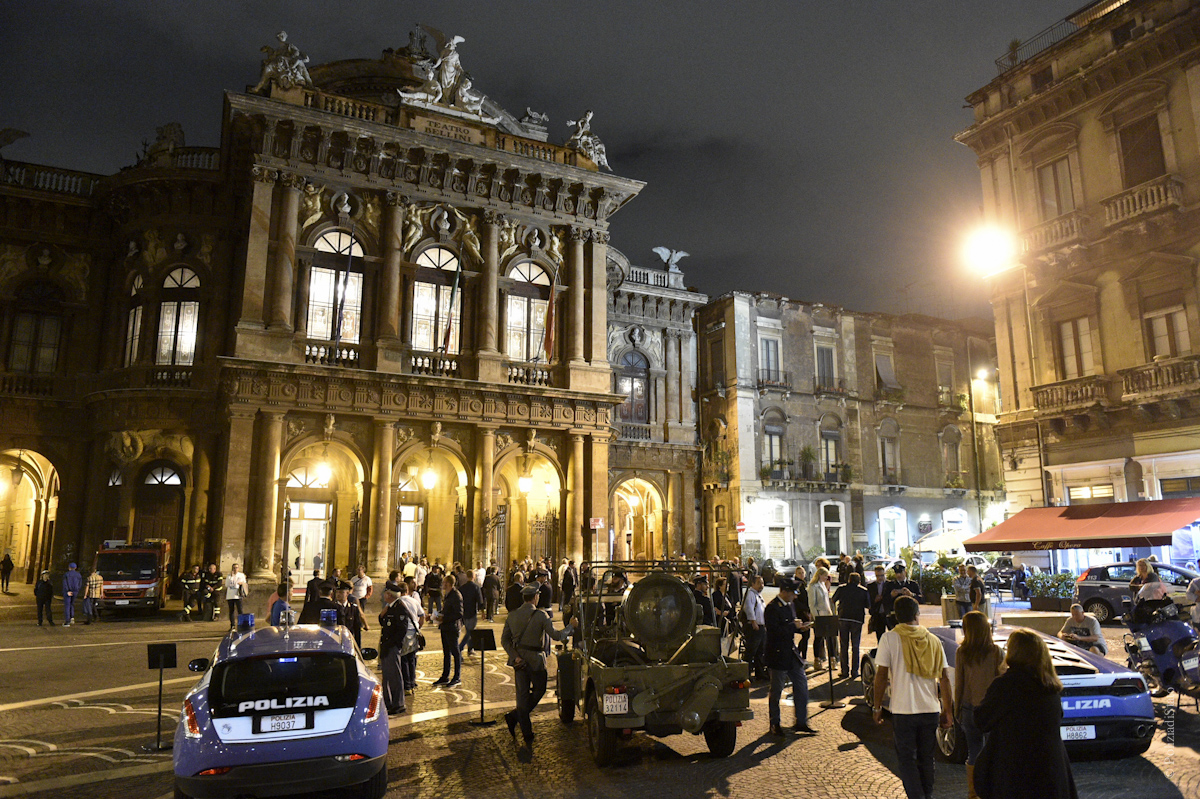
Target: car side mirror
point(370, 653)
point(198, 665)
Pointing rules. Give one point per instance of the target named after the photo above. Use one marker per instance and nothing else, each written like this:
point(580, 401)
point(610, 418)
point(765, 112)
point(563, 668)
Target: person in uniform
point(393, 625)
point(72, 588)
point(783, 661)
point(192, 585)
point(703, 600)
point(524, 639)
point(351, 612)
point(214, 582)
point(545, 593)
point(311, 612)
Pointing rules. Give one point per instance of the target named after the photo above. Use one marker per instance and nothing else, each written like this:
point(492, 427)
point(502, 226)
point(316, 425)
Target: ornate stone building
point(841, 430)
point(654, 460)
point(1087, 143)
point(379, 309)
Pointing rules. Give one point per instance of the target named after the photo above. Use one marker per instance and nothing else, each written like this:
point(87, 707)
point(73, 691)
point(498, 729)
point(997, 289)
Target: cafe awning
point(1120, 524)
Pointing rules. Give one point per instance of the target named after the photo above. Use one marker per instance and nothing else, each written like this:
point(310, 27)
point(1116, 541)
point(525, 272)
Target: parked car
point(280, 712)
point(1102, 589)
point(785, 568)
point(1107, 709)
point(1001, 572)
point(886, 563)
point(982, 564)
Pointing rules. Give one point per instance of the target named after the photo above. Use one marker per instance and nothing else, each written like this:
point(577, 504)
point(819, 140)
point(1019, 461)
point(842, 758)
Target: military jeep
point(638, 660)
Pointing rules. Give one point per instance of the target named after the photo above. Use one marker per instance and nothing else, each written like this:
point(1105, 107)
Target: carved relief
point(129, 446)
point(297, 428)
point(311, 205)
point(154, 252)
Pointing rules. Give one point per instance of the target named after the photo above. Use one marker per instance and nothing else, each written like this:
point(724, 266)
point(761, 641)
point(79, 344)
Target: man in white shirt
point(912, 661)
point(756, 631)
point(419, 577)
point(410, 569)
point(408, 661)
point(361, 588)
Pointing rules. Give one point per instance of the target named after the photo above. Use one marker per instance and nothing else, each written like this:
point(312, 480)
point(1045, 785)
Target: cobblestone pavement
point(89, 746)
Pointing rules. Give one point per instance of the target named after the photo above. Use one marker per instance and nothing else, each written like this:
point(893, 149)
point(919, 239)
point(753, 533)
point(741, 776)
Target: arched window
point(163, 476)
point(133, 323)
point(335, 284)
point(633, 381)
point(526, 312)
point(178, 316)
point(889, 451)
point(437, 302)
point(36, 329)
point(951, 442)
point(308, 476)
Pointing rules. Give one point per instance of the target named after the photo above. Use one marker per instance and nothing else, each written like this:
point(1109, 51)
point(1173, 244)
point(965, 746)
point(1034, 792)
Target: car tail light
point(375, 703)
point(215, 772)
point(1082, 576)
point(192, 728)
point(615, 689)
point(349, 758)
point(739, 684)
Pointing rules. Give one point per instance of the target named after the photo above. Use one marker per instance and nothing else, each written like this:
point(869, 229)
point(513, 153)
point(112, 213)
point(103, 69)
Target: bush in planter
point(1050, 591)
point(934, 583)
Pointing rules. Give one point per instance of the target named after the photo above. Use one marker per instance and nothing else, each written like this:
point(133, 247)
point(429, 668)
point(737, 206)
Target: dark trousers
point(824, 646)
point(490, 610)
point(408, 668)
point(450, 651)
point(916, 741)
point(468, 626)
point(849, 635)
point(779, 678)
point(433, 602)
point(235, 610)
point(48, 605)
point(803, 645)
point(531, 686)
point(756, 643)
point(68, 609)
point(393, 680)
point(4, 578)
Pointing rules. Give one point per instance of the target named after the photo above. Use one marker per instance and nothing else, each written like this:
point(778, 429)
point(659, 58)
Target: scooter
point(1163, 648)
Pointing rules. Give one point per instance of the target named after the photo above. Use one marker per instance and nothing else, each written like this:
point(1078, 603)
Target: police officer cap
point(392, 586)
point(701, 578)
point(344, 586)
point(529, 591)
point(542, 573)
point(787, 584)
point(326, 587)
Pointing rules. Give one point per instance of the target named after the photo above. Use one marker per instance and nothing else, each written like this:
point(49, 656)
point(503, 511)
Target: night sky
point(803, 148)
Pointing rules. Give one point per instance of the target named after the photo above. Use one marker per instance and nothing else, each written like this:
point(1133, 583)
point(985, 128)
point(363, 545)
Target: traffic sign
point(741, 527)
point(597, 523)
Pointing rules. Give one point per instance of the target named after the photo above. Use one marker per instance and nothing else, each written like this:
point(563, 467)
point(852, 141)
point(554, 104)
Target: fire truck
point(135, 574)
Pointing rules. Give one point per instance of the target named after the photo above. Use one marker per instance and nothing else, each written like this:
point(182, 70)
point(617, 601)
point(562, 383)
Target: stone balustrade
point(325, 354)
point(45, 178)
point(347, 107)
point(1058, 232)
point(205, 158)
point(434, 365)
point(1170, 376)
point(635, 432)
point(1153, 195)
point(529, 374)
point(1076, 394)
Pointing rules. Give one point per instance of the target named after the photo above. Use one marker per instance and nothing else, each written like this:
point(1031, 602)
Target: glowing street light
point(990, 250)
point(429, 478)
point(324, 470)
point(524, 483)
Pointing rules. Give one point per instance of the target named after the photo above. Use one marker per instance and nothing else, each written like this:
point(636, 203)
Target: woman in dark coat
point(1021, 714)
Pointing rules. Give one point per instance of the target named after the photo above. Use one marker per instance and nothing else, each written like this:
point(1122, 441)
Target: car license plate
point(122, 601)
point(1078, 732)
point(282, 722)
point(616, 704)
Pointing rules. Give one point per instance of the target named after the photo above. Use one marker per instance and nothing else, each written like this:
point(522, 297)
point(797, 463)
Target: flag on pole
point(548, 338)
point(450, 309)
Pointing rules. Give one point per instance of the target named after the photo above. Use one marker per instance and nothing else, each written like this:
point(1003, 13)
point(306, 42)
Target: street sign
point(597, 523)
point(741, 527)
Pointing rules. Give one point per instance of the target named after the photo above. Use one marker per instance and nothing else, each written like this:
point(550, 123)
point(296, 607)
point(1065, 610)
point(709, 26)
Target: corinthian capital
point(579, 234)
point(600, 236)
point(263, 174)
point(393, 199)
point(290, 180)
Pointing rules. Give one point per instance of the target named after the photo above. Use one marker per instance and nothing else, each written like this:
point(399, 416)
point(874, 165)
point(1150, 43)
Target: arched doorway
point(158, 501)
point(431, 505)
point(638, 530)
point(28, 506)
point(323, 490)
point(531, 496)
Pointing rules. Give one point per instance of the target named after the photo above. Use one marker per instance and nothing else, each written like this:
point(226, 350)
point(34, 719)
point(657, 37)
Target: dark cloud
point(803, 148)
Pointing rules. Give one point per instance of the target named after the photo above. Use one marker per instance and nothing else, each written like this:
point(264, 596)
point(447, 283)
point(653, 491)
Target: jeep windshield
point(127, 565)
point(316, 679)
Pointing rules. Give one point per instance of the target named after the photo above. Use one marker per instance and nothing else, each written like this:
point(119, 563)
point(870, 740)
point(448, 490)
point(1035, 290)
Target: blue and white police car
point(1107, 709)
point(281, 711)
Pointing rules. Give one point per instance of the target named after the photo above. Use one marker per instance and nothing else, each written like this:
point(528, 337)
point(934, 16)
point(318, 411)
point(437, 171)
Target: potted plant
point(808, 461)
point(764, 471)
point(1051, 592)
point(845, 473)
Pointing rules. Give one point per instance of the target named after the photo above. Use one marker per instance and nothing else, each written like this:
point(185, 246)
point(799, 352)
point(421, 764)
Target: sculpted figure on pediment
point(587, 142)
point(310, 204)
point(283, 65)
point(415, 218)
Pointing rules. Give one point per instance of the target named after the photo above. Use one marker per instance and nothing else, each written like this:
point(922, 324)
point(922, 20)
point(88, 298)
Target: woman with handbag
point(977, 663)
point(235, 591)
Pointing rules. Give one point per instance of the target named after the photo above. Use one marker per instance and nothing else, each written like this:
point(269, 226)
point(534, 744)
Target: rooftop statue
point(670, 258)
point(534, 118)
point(283, 65)
point(446, 83)
point(166, 139)
point(587, 142)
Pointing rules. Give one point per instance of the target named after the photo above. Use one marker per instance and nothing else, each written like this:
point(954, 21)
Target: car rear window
point(127, 565)
point(281, 677)
point(1096, 573)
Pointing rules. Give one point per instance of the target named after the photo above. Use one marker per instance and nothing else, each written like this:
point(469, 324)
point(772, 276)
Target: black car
point(1001, 572)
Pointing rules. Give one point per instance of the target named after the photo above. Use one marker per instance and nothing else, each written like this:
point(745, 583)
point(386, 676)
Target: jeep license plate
point(1078, 732)
point(122, 602)
point(616, 704)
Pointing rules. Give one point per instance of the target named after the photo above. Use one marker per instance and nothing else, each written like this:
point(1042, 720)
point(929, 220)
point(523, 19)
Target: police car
point(1107, 709)
point(281, 711)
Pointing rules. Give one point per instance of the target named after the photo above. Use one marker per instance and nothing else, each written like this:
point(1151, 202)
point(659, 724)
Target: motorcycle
point(1164, 648)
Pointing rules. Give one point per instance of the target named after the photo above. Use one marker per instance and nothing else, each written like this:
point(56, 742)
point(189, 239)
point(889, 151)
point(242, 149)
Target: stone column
point(379, 536)
point(233, 523)
point(596, 490)
point(257, 245)
point(198, 521)
point(687, 381)
point(270, 446)
point(575, 297)
point(487, 465)
point(389, 280)
point(490, 301)
point(597, 351)
point(280, 317)
point(303, 274)
point(578, 517)
point(687, 512)
point(671, 344)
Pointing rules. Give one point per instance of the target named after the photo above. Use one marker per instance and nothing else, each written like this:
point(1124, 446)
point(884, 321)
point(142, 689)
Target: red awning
point(1120, 524)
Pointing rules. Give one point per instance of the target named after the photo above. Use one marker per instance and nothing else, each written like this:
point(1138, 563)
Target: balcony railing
point(1058, 232)
point(433, 364)
point(774, 378)
point(1174, 376)
point(44, 178)
point(647, 277)
point(823, 384)
point(1153, 195)
point(1068, 395)
point(170, 377)
point(207, 158)
point(635, 432)
point(529, 374)
point(324, 354)
point(1054, 34)
point(344, 106)
point(22, 385)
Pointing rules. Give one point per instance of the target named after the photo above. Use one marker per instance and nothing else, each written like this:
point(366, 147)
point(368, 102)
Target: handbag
point(413, 641)
point(243, 591)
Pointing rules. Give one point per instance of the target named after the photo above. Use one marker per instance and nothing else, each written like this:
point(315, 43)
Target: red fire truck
point(135, 574)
